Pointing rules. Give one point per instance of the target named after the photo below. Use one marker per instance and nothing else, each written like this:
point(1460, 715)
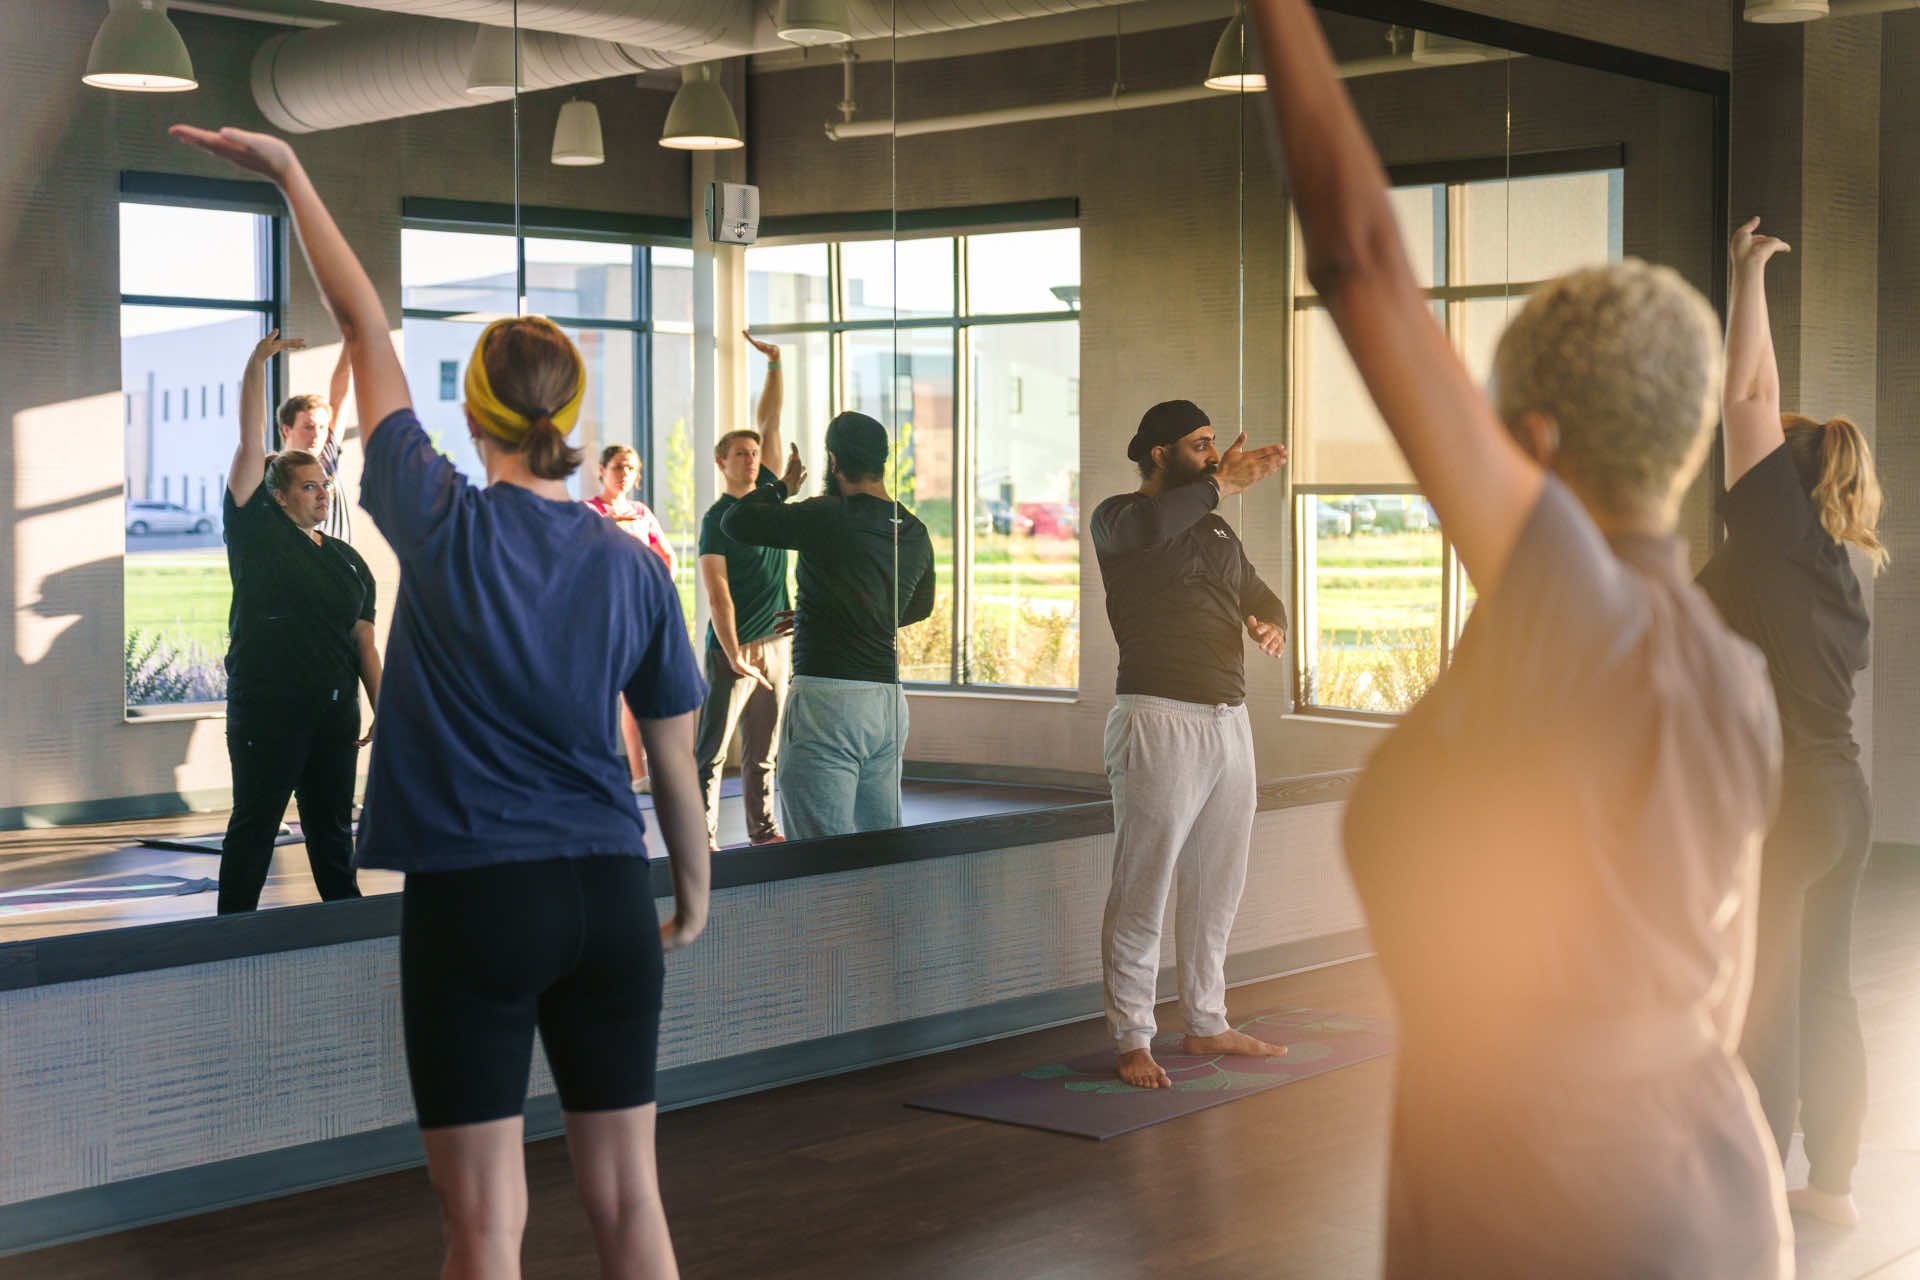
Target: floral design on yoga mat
point(1301, 1030)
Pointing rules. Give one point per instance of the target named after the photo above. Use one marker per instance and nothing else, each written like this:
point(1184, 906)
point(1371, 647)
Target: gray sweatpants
point(841, 744)
point(1184, 796)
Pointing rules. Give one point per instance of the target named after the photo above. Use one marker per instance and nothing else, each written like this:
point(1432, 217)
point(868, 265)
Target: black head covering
point(1166, 422)
point(858, 443)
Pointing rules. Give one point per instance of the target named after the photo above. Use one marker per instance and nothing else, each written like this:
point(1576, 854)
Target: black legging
point(1803, 1044)
point(302, 750)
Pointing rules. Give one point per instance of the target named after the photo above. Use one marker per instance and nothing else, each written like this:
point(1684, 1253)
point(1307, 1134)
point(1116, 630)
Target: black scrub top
point(295, 603)
point(1783, 582)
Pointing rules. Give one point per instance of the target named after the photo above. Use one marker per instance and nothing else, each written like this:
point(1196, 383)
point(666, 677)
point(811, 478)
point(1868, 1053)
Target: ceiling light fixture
point(811, 22)
point(490, 65)
point(138, 50)
point(1236, 65)
point(576, 138)
point(1774, 11)
point(701, 118)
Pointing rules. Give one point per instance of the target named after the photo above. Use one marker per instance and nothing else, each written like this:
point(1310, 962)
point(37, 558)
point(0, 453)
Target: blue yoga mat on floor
point(81, 893)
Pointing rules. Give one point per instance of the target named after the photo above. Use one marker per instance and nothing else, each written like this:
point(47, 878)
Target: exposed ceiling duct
point(412, 60)
point(360, 72)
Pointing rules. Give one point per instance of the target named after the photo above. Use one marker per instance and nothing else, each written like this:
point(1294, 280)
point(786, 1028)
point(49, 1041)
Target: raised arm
point(250, 457)
point(1751, 400)
point(772, 396)
point(337, 388)
point(764, 518)
point(343, 283)
point(1480, 483)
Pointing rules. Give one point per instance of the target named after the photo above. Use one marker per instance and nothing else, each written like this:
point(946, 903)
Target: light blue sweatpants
point(841, 744)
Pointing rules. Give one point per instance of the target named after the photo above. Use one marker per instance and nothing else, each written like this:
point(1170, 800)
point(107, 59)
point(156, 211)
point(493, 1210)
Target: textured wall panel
point(112, 1079)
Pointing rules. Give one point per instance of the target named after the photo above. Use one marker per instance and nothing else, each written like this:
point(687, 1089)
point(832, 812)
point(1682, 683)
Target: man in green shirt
point(747, 664)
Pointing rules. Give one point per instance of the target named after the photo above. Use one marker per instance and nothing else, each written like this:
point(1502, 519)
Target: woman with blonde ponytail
point(1798, 493)
point(496, 784)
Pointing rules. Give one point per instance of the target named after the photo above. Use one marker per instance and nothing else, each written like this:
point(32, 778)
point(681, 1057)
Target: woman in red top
point(619, 472)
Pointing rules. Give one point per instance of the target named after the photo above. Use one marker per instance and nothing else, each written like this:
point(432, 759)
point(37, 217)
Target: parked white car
point(145, 516)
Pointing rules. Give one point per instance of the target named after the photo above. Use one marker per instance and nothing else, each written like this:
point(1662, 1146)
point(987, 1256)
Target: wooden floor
point(837, 1178)
point(48, 855)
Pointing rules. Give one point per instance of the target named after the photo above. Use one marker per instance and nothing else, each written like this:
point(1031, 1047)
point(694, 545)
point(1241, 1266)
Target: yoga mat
point(87, 893)
point(289, 834)
point(1886, 1186)
point(1083, 1097)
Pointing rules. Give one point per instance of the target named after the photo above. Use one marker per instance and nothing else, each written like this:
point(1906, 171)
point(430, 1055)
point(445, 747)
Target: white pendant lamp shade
point(490, 65)
point(1431, 50)
point(810, 22)
point(137, 49)
point(1236, 65)
point(576, 138)
point(1786, 10)
point(701, 118)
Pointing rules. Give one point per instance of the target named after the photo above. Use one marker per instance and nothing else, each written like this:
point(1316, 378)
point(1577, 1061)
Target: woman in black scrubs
point(1558, 849)
point(300, 643)
point(1797, 492)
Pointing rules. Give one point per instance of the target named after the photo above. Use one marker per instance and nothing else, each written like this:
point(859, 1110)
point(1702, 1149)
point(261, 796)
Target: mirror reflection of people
point(1179, 747)
point(748, 663)
point(1799, 491)
point(300, 644)
point(495, 787)
point(865, 571)
point(1558, 847)
point(619, 473)
point(312, 425)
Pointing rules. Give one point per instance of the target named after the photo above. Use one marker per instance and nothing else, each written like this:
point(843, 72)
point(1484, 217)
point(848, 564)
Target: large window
point(628, 308)
point(1380, 596)
point(197, 292)
point(968, 349)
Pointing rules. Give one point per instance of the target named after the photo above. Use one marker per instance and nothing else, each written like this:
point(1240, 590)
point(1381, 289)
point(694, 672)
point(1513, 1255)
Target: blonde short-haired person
point(495, 785)
point(1798, 492)
point(1558, 848)
point(312, 424)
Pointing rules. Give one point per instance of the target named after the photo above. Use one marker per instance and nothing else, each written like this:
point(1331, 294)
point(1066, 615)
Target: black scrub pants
point(1803, 1045)
point(304, 750)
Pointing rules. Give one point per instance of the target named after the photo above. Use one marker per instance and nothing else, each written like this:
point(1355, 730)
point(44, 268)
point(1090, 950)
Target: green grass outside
point(181, 598)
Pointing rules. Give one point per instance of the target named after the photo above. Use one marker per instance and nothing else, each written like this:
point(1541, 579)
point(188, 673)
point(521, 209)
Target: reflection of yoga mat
point(289, 834)
point(1886, 1186)
point(87, 893)
point(728, 787)
point(1084, 1097)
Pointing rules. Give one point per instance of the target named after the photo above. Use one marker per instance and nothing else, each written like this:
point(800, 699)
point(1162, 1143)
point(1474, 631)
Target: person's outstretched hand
point(1750, 250)
point(1271, 639)
point(748, 667)
point(1241, 468)
point(260, 152)
point(273, 344)
point(796, 474)
point(767, 349)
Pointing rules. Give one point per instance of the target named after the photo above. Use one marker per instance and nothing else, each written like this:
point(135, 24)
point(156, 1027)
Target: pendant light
point(490, 65)
point(1785, 10)
point(1236, 65)
point(138, 50)
point(701, 118)
point(812, 22)
point(576, 137)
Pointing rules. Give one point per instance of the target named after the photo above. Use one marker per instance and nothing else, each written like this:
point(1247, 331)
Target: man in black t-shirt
point(1179, 749)
point(748, 663)
point(866, 570)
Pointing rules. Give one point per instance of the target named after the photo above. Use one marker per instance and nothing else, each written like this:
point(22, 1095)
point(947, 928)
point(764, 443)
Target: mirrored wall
point(1002, 242)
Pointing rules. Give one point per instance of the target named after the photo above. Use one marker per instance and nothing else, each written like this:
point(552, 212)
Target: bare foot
point(1237, 1043)
point(1137, 1068)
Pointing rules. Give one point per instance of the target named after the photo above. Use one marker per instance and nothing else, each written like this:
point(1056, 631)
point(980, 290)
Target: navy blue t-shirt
point(518, 620)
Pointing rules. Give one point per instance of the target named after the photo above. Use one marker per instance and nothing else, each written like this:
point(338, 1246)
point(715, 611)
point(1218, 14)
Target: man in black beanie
point(865, 570)
point(1178, 746)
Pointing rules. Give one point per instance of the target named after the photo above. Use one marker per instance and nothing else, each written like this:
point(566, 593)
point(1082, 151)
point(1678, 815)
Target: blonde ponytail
point(1837, 467)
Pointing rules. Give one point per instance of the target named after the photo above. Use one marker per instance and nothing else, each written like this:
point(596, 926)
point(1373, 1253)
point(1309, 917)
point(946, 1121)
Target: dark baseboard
point(180, 1193)
point(74, 813)
point(1004, 774)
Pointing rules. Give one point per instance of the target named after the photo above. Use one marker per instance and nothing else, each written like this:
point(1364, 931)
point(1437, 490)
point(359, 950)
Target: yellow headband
point(496, 418)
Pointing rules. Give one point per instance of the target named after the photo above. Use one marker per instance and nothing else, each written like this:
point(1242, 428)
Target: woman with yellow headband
point(496, 784)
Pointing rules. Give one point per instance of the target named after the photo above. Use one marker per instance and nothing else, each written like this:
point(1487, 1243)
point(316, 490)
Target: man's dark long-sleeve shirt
point(1179, 591)
point(850, 600)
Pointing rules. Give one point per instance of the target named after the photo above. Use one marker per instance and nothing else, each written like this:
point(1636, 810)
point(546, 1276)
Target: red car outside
point(1052, 519)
